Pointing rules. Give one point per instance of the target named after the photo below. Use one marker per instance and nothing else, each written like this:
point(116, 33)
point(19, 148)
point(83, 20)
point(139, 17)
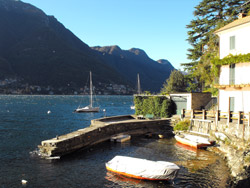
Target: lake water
point(24, 123)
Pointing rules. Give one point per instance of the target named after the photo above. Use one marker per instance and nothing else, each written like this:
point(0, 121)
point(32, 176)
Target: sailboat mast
point(90, 88)
point(138, 84)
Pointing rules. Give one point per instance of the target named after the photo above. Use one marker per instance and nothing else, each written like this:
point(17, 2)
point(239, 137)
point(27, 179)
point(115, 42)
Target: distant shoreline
point(63, 95)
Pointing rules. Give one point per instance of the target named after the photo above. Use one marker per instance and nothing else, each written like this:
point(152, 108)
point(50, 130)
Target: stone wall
point(99, 132)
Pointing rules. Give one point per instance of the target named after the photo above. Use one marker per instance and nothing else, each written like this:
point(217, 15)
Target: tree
point(175, 83)
point(168, 108)
point(209, 16)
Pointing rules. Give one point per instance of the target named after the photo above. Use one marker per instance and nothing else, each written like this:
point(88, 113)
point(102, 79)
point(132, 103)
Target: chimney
point(241, 15)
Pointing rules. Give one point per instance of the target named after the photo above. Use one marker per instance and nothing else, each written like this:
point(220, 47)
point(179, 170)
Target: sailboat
point(138, 90)
point(90, 107)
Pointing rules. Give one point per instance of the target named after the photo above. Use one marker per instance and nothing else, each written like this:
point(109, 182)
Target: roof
point(235, 23)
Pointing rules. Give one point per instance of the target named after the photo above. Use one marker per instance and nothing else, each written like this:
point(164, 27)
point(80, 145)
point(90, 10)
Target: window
point(232, 42)
point(232, 74)
point(231, 104)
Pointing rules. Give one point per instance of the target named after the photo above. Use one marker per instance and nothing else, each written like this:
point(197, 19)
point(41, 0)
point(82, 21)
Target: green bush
point(182, 125)
point(159, 106)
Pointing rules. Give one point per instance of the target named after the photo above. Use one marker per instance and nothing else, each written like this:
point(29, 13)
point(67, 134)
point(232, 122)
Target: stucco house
point(234, 80)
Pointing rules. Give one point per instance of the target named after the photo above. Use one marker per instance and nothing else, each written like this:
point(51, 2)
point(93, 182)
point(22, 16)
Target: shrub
point(182, 125)
point(159, 106)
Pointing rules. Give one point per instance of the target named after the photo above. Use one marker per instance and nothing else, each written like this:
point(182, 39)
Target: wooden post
point(217, 119)
point(203, 114)
point(238, 124)
point(243, 134)
point(182, 114)
point(192, 114)
point(229, 119)
point(229, 113)
point(240, 117)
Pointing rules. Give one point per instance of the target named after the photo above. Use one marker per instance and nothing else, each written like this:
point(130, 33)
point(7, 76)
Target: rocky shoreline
point(232, 148)
point(237, 155)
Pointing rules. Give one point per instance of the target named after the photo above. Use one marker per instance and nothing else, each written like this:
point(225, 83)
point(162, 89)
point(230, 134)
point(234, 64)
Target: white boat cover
point(197, 139)
point(155, 170)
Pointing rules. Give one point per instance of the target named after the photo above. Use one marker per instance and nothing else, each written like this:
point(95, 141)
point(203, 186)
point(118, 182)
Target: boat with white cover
point(193, 140)
point(142, 168)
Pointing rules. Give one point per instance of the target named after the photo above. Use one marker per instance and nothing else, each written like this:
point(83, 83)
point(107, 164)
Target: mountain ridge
point(39, 50)
point(133, 61)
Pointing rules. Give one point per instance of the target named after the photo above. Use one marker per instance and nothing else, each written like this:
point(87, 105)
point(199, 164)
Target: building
point(234, 80)
point(190, 101)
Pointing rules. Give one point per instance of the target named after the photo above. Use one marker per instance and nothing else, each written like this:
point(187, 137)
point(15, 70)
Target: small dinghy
point(193, 140)
point(120, 138)
point(142, 168)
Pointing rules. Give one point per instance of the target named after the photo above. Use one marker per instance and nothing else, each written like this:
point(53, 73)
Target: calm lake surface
point(24, 123)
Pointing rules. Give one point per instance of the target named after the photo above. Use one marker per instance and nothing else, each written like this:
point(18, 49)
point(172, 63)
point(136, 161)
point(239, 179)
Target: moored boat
point(120, 138)
point(87, 109)
point(142, 169)
point(132, 107)
point(193, 140)
point(90, 107)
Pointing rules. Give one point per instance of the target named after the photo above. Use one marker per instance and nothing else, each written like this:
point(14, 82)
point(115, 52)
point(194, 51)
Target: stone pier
point(101, 130)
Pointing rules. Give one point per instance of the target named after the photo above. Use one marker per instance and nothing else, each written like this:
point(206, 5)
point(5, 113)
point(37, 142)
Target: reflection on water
point(122, 181)
point(24, 123)
point(194, 159)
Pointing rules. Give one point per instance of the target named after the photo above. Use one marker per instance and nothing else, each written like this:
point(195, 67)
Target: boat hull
point(132, 107)
point(82, 110)
point(120, 138)
point(142, 169)
point(192, 143)
point(134, 176)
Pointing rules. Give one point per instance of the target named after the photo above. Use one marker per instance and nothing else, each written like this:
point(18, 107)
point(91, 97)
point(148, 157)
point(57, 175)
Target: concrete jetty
point(100, 130)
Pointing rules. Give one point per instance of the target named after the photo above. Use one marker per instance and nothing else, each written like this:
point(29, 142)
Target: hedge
point(159, 106)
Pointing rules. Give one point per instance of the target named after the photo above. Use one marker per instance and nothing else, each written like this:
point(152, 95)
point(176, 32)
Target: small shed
point(189, 101)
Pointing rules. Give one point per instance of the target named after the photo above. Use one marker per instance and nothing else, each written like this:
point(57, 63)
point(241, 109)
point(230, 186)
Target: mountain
point(40, 50)
point(36, 49)
point(130, 62)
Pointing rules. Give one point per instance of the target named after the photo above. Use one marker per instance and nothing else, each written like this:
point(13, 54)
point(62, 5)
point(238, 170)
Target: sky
point(156, 26)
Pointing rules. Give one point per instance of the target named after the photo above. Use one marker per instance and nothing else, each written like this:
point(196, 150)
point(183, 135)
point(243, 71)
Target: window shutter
point(232, 74)
point(232, 42)
point(231, 104)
